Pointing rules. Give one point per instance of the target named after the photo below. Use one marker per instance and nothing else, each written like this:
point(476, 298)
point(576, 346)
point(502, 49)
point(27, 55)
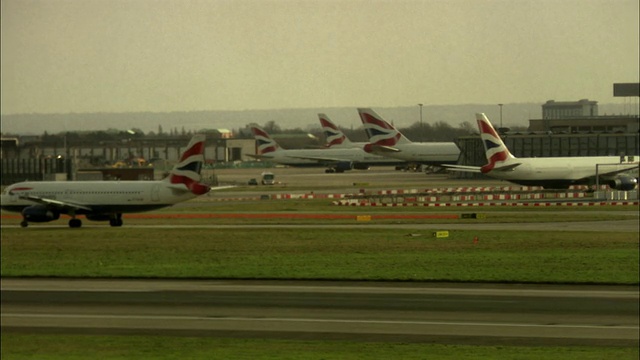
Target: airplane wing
point(63, 205)
point(462, 168)
point(322, 159)
point(477, 169)
point(619, 170)
point(507, 167)
point(259, 157)
point(383, 149)
point(214, 188)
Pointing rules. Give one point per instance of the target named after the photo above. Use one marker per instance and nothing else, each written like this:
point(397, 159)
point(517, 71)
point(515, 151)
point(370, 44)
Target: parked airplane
point(335, 138)
point(44, 201)
point(548, 172)
point(385, 140)
point(336, 159)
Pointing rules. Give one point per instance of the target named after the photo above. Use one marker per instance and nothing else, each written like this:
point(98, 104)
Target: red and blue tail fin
point(334, 136)
point(496, 151)
point(265, 144)
point(187, 170)
point(379, 131)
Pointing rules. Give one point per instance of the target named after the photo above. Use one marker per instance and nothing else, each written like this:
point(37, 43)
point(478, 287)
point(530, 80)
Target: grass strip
point(76, 347)
point(318, 253)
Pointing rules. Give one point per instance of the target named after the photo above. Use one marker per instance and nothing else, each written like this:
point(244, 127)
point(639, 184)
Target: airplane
point(385, 140)
point(548, 172)
point(335, 137)
point(336, 159)
point(44, 201)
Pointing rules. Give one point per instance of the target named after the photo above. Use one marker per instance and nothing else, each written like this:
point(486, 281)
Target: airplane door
point(155, 192)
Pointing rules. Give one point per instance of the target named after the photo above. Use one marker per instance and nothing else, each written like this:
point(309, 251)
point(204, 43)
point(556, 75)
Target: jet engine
point(623, 182)
point(343, 166)
point(40, 213)
point(360, 166)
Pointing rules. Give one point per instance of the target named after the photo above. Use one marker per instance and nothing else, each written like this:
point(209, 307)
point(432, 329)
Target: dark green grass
point(341, 254)
point(75, 347)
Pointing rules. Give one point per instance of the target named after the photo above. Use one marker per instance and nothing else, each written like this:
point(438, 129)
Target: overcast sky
point(61, 56)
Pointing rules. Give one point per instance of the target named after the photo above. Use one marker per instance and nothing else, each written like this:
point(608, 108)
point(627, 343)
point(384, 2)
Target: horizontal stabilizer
point(506, 167)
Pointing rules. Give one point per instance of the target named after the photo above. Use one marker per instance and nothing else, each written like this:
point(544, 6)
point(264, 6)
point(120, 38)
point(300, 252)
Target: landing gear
point(24, 223)
point(116, 221)
point(75, 223)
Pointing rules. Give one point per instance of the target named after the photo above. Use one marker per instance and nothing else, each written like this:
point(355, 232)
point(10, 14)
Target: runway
point(362, 311)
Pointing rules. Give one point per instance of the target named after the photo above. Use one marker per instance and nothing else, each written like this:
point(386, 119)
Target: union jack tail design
point(334, 136)
point(187, 170)
point(265, 143)
point(495, 149)
point(379, 131)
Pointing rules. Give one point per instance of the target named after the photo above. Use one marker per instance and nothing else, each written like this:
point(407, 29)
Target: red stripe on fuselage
point(22, 189)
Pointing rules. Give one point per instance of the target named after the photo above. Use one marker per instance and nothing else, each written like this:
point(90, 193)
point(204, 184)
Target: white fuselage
point(426, 153)
point(100, 196)
point(570, 169)
point(322, 157)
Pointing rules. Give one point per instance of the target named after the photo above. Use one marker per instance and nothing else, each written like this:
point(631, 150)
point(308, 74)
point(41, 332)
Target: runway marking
point(310, 320)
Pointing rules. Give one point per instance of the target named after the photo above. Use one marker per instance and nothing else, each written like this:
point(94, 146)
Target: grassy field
point(75, 347)
point(316, 253)
point(340, 254)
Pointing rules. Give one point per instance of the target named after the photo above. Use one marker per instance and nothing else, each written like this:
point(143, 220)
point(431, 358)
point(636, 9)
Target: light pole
point(500, 115)
point(420, 122)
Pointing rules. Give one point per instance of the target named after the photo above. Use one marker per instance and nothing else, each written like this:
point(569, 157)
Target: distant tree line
point(419, 132)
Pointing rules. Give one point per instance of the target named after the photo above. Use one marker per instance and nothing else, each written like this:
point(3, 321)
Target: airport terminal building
point(135, 159)
point(567, 128)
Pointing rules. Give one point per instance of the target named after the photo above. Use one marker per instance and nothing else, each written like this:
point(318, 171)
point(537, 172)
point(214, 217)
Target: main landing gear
point(116, 221)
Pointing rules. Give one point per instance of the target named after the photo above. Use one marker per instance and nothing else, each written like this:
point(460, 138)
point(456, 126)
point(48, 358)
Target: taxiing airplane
point(385, 140)
point(548, 172)
point(44, 201)
point(335, 159)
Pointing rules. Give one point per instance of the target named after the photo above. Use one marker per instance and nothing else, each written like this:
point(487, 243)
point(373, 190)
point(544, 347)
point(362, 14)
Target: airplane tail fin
point(334, 136)
point(187, 170)
point(497, 153)
point(266, 144)
point(380, 132)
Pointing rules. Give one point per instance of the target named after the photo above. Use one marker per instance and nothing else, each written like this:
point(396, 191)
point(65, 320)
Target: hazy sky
point(61, 56)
